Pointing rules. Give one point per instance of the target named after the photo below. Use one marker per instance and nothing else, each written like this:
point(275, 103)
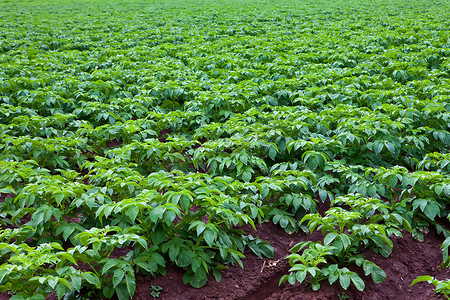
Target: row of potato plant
point(153, 134)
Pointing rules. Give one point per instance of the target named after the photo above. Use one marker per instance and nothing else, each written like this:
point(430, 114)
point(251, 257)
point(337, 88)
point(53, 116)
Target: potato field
point(229, 149)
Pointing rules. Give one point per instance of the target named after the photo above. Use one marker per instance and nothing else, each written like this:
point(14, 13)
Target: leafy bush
point(135, 136)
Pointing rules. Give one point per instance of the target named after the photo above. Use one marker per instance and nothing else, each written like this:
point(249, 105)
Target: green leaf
point(195, 264)
point(217, 275)
point(283, 279)
point(156, 214)
point(345, 240)
point(3, 274)
point(22, 297)
point(59, 198)
point(378, 275)
point(131, 284)
point(68, 231)
point(378, 147)
point(329, 238)
point(196, 280)
point(291, 278)
point(301, 276)
point(209, 236)
point(169, 216)
point(76, 282)
point(158, 235)
point(272, 153)
point(344, 280)
point(333, 276)
point(438, 189)
point(323, 195)
point(445, 244)
point(390, 147)
point(246, 176)
point(313, 163)
point(432, 209)
point(372, 191)
point(122, 292)
point(117, 277)
point(200, 227)
point(92, 278)
point(421, 278)
point(243, 158)
point(53, 281)
point(284, 221)
point(61, 291)
point(108, 291)
point(184, 202)
point(312, 271)
point(64, 281)
point(174, 250)
point(357, 281)
point(132, 212)
point(393, 181)
point(266, 249)
point(184, 258)
point(67, 256)
point(109, 264)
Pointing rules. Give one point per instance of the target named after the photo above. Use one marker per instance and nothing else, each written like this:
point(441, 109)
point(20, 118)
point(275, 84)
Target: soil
point(259, 278)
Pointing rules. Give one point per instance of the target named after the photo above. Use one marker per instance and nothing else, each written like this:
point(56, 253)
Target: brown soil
point(259, 278)
point(113, 143)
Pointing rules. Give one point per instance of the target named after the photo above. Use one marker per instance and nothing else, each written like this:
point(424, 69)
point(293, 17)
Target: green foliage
point(442, 286)
point(346, 234)
point(35, 272)
point(155, 291)
point(343, 296)
point(136, 135)
point(314, 262)
point(445, 248)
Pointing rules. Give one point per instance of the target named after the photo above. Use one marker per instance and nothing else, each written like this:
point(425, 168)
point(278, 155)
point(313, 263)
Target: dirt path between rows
point(259, 278)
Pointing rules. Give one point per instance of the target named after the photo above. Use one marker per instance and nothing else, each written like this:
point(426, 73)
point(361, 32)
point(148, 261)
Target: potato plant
point(140, 135)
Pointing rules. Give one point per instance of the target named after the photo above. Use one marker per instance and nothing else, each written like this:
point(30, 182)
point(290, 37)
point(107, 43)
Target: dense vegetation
point(162, 128)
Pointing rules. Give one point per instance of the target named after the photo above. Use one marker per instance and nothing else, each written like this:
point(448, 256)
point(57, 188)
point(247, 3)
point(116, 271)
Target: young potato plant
point(174, 223)
point(313, 266)
point(286, 195)
point(35, 272)
point(419, 197)
point(346, 233)
point(110, 275)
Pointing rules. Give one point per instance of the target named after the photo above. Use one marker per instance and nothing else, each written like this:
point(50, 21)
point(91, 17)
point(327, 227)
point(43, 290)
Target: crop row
point(149, 135)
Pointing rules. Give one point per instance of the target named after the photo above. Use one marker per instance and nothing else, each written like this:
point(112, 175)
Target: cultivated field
point(243, 149)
